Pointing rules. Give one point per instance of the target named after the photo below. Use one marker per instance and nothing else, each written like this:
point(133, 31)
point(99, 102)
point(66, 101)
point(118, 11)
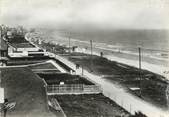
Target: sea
point(152, 39)
point(154, 43)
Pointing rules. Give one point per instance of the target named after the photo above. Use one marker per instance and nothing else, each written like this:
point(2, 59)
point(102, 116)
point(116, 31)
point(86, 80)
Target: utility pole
point(91, 56)
point(0, 36)
point(69, 44)
point(82, 70)
point(140, 70)
point(1, 89)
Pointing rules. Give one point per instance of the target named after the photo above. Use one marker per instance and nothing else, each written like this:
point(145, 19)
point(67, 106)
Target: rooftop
point(20, 42)
point(25, 88)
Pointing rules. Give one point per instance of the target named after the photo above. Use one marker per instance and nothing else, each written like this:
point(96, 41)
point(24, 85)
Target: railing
point(73, 89)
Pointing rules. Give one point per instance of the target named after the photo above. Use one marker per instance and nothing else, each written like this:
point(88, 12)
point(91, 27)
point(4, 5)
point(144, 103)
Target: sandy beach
point(151, 63)
point(156, 68)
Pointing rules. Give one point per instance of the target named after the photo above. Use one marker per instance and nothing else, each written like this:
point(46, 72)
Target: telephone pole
point(140, 70)
point(69, 44)
point(91, 56)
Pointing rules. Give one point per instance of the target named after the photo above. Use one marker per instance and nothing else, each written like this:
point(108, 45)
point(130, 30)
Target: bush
point(139, 114)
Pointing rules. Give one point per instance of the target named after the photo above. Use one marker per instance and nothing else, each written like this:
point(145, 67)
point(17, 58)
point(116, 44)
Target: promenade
point(130, 102)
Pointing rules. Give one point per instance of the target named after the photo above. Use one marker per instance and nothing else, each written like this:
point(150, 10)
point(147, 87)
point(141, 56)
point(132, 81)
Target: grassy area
point(153, 86)
point(66, 78)
point(26, 60)
point(25, 88)
point(89, 105)
point(67, 68)
point(43, 66)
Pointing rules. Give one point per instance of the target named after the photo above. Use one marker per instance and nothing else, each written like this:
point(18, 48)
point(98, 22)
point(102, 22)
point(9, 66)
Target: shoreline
point(147, 52)
point(156, 65)
point(155, 68)
point(153, 64)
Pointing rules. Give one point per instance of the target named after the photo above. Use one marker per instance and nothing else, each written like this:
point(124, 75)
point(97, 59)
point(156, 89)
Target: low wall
point(73, 89)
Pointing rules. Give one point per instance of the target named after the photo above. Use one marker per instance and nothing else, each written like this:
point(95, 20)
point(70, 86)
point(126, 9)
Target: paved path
point(119, 95)
point(57, 66)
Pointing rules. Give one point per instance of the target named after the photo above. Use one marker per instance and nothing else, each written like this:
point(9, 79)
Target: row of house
point(17, 46)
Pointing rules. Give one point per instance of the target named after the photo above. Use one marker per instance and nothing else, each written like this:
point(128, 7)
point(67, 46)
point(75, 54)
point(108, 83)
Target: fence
point(55, 105)
point(73, 89)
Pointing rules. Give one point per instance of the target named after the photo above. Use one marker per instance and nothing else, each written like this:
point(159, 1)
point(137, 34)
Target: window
point(3, 53)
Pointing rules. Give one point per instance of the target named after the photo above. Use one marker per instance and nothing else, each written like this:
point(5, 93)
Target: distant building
point(9, 34)
point(3, 51)
point(20, 47)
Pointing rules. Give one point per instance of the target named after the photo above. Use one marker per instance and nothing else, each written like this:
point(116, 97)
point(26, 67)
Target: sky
point(106, 14)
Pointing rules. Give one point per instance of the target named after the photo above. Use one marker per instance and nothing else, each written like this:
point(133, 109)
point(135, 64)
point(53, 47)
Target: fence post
point(115, 98)
point(122, 103)
point(52, 88)
point(130, 108)
point(82, 70)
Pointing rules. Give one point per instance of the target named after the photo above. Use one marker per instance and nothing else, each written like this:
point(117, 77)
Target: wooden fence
point(73, 89)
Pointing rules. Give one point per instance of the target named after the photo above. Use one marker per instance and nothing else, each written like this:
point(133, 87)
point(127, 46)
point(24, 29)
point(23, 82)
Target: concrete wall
point(28, 49)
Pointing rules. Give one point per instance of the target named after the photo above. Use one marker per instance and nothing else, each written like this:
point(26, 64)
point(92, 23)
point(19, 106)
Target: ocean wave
point(155, 54)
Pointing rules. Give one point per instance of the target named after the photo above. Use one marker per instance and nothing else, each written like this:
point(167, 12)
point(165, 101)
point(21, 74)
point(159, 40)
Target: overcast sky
point(110, 14)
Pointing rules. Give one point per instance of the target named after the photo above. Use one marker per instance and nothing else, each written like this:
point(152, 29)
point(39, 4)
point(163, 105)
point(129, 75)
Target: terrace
point(60, 83)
